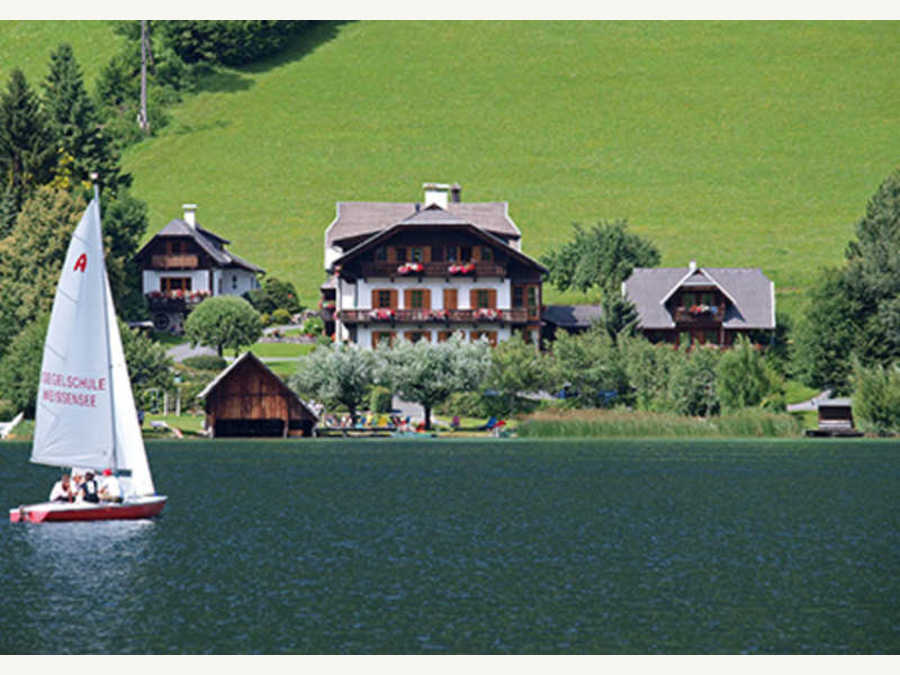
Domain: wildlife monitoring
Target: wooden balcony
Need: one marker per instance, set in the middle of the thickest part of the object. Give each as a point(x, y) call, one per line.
point(432, 269)
point(175, 301)
point(182, 261)
point(445, 316)
point(700, 314)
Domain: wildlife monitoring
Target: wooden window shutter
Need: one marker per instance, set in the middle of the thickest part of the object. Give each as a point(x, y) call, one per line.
point(492, 298)
point(407, 298)
point(473, 298)
point(451, 298)
point(374, 298)
point(426, 298)
point(393, 299)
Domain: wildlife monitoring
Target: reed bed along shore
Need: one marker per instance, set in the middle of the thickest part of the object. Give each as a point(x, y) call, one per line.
point(594, 423)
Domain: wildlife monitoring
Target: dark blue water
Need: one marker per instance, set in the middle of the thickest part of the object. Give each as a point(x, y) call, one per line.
point(488, 547)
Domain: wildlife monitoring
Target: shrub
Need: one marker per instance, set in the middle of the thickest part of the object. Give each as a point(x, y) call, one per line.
point(314, 326)
point(281, 316)
point(381, 400)
point(876, 400)
point(205, 362)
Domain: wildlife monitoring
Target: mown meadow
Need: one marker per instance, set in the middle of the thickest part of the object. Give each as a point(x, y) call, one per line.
point(735, 143)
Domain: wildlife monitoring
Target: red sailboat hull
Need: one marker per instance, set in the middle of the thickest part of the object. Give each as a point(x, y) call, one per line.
point(144, 507)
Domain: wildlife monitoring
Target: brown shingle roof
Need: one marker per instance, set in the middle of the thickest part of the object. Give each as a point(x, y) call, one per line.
point(356, 219)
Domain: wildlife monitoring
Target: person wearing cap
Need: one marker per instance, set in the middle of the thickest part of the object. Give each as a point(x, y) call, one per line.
point(110, 490)
point(89, 492)
point(62, 491)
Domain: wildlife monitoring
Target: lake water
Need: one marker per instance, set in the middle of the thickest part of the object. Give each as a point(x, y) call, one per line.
point(505, 546)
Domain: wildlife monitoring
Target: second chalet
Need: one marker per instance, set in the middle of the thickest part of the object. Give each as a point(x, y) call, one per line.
point(424, 271)
point(184, 264)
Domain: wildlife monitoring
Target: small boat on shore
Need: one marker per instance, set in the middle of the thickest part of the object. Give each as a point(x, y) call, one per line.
point(85, 413)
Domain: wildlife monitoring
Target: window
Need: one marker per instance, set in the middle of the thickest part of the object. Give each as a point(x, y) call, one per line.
point(234, 282)
point(490, 335)
point(452, 254)
point(487, 254)
point(167, 284)
point(465, 253)
point(482, 298)
point(437, 254)
point(533, 303)
point(518, 299)
point(416, 335)
point(416, 255)
point(380, 254)
point(400, 252)
point(382, 299)
point(380, 338)
point(416, 299)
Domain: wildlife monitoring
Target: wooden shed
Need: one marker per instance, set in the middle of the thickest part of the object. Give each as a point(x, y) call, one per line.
point(835, 418)
point(248, 399)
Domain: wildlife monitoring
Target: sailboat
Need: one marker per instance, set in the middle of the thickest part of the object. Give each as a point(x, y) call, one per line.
point(85, 413)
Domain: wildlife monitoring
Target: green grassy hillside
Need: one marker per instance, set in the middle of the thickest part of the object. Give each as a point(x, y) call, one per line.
point(27, 45)
point(746, 144)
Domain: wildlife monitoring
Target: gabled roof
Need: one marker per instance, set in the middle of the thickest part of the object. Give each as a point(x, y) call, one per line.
point(436, 216)
point(357, 219)
point(750, 293)
point(210, 242)
point(251, 357)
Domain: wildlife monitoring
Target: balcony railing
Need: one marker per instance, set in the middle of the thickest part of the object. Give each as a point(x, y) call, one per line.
point(434, 315)
point(700, 314)
point(180, 261)
point(432, 269)
point(175, 300)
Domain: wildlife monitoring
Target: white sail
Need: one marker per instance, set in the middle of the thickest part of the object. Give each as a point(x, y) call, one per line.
point(74, 406)
point(130, 452)
point(85, 409)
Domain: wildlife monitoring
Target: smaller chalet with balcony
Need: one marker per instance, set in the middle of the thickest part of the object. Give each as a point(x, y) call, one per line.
point(184, 264)
point(687, 306)
point(426, 271)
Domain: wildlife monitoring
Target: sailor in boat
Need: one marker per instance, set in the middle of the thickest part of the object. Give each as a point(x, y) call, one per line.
point(89, 490)
point(110, 490)
point(63, 490)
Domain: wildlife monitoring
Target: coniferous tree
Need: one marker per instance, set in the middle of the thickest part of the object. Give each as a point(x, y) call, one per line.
point(28, 151)
point(76, 124)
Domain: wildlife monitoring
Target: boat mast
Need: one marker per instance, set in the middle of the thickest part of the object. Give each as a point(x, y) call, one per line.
point(106, 319)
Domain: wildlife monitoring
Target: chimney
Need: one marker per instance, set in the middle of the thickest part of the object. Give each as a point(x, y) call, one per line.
point(436, 193)
point(693, 266)
point(190, 214)
point(456, 193)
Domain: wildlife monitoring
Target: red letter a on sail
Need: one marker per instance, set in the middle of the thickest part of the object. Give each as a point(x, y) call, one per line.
point(81, 263)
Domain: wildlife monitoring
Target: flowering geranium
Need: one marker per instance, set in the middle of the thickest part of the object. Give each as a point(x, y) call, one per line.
point(381, 314)
point(409, 268)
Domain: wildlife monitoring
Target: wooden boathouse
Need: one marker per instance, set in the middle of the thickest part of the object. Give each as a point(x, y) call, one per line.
point(248, 399)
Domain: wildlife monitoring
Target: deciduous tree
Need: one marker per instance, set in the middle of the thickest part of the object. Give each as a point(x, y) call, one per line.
point(427, 373)
point(602, 256)
point(223, 322)
point(336, 375)
point(31, 258)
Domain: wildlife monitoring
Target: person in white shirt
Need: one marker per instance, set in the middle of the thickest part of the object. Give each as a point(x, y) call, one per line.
point(110, 490)
point(63, 490)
